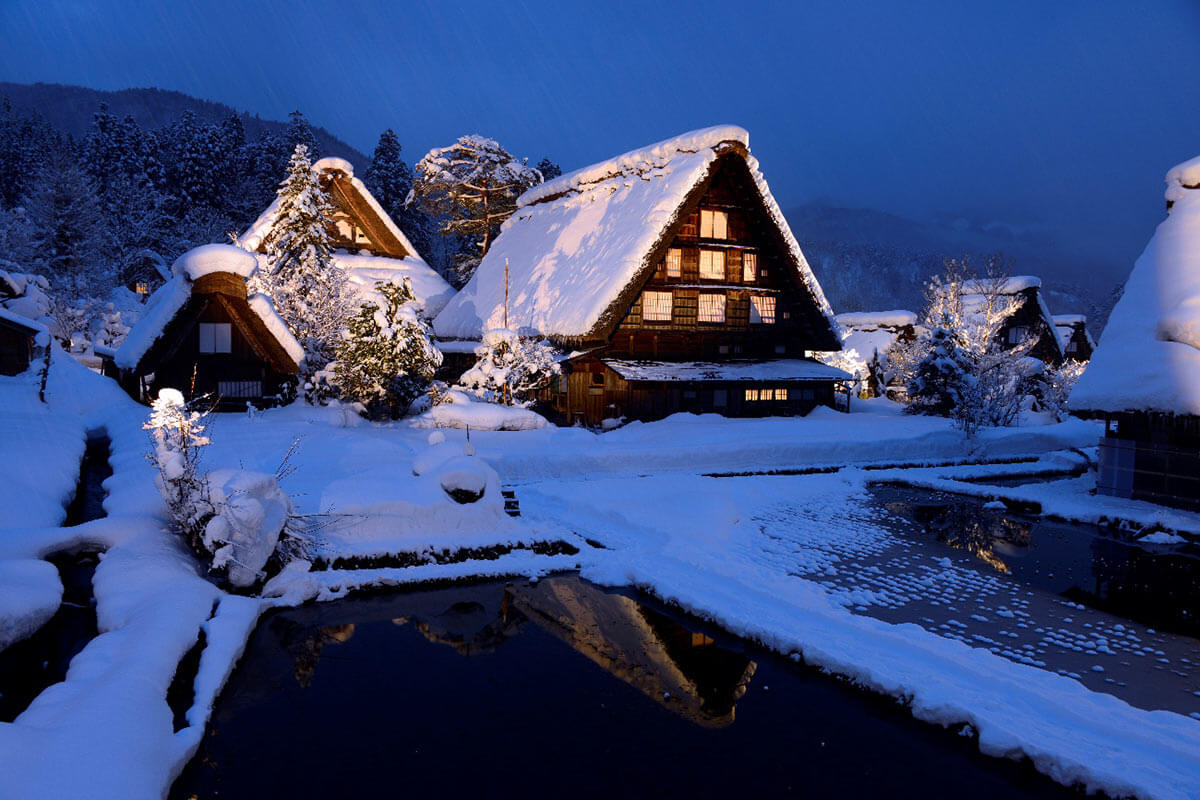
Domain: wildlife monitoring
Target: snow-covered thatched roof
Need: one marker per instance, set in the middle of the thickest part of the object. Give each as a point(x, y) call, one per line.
point(402, 261)
point(577, 243)
point(876, 319)
point(1149, 354)
point(973, 293)
point(1066, 324)
point(165, 304)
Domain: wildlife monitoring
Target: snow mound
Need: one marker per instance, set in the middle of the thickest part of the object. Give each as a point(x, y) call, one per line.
point(1182, 177)
point(1149, 355)
point(210, 258)
point(1010, 285)
point(251, 513)
point(460, 411)
point(30, 592)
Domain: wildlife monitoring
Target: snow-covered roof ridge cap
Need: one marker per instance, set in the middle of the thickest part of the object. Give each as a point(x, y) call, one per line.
point(209, 258)
point(1009, 285)
point(334, 164)
point(894, 318)
point(264, 307)
point(637, 162)
point(1182, 177)
point(22, 321)
point(1070, 319)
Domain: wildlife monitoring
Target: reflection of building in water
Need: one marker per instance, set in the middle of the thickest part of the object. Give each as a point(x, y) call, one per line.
point(471, 627)
point(965, 526)
point(306, 651)
point(684, 671)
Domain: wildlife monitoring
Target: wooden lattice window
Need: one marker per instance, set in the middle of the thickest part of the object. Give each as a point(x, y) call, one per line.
point(712, 307)
point(656, 306)
point(674, 262)
point(712, 264)
point(215, 337)
point(714, 224)
point(762, 309)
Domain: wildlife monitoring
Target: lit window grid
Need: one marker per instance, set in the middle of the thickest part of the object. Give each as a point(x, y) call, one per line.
point(712, 307)
point(656, 306)
point(712, 264)
point(762, 309)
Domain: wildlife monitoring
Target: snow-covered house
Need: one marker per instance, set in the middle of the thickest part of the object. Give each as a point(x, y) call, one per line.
point(21, 340)
point(202, 333)
point(672, 278)
point(1144, 377)
point(1032, 319)
point(1073, 336)
point(367, 242)
point(867, 339)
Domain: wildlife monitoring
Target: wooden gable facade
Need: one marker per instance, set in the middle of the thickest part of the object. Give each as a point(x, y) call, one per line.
point(18, 343)
point(357, 222)
point(719, 289)
point(1031, 320)
point(1077, 343)
point(215, 345)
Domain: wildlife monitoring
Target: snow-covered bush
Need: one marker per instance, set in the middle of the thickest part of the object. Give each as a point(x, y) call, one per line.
point(386, 359)
point(231, 519)
point(940, 377)
point(177, 436)
point(459, 410)
point(510, 369)
point(1057, 384)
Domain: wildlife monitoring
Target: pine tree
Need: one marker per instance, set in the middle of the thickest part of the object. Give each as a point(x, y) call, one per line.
point(300, 132)
point(386, 359)
point(390, 179)
point(310, 290)
point(549, 169)
point(70, 233)
point(941, 376)
point(472, 187)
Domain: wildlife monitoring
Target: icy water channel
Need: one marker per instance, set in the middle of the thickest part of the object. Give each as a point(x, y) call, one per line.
point(555, 688)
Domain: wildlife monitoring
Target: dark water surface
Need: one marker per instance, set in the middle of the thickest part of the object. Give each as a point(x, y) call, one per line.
point(1156, 585)
point(556, 689)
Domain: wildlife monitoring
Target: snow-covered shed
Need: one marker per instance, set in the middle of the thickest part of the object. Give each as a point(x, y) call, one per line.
point(1073, 336)
point(367, 242)
point(867, 339)
point(1032, 319)
point(1144, 377)
point(21, 339)
point(203, 334)
point(674, 254)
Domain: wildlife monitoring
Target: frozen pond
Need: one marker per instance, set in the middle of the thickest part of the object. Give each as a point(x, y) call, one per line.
point(556, 687)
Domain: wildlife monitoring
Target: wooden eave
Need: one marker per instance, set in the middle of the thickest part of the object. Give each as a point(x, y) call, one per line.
point(608, 321)
point(348, 199)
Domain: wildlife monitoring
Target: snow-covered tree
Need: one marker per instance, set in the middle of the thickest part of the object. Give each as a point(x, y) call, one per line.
point(70, 236)
point(941, 376)
point(177, 436)
point(472, 187)
point(549, 169)
point(1057, 384)
point(390, 179)
point(386, 359)
point(310, 290)
point(510, 368)
point(300, 132)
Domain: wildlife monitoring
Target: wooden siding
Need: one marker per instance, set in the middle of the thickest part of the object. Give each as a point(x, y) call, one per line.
point(16, 350)
point(1153, 457)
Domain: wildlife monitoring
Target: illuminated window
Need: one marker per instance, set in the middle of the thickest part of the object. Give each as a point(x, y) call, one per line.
point(762, 309)
point(749, 266)
point(712, 264)
point(656, 306)
point(752, 395)
point(714, 224)
point(712, 307)
point(1017, 334)
point(216, 337)
point(674, 262)
point(781, 394)
point(142, 287)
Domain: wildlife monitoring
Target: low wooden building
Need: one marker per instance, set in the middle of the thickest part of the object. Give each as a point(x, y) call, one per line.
point(21, 342)
point(367, 242)
point(1031, 319)
point(203, 334)
point(867, 340)
point(1143, 379)
point(670, 277)
point(1073, 336)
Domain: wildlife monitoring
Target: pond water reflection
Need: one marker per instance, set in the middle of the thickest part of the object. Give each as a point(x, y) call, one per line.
point(555, 687)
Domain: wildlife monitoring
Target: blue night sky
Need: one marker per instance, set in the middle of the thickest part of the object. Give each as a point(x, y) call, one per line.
point(1063, 116)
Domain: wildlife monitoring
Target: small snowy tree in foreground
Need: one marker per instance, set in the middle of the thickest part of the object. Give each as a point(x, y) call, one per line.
point(310, 291)
point(472, 186)
point(510, 368)
point(177, 434)
point(386, 359)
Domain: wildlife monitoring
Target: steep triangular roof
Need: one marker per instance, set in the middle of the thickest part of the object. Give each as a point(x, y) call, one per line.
point(1014, 285)
point(578, 245)
point(224, 269)
point(392, 255)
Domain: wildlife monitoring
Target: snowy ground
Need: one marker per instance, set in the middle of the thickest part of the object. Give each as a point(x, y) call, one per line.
point(805, 564)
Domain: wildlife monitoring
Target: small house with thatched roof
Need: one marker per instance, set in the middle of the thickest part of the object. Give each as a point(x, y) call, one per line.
point(867, 340)
point(367, 243)
point(21, 341)
point(1144, 378)
point(670, 276)
point(1031, 320)
point(203, 334)
point(1073, 336)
